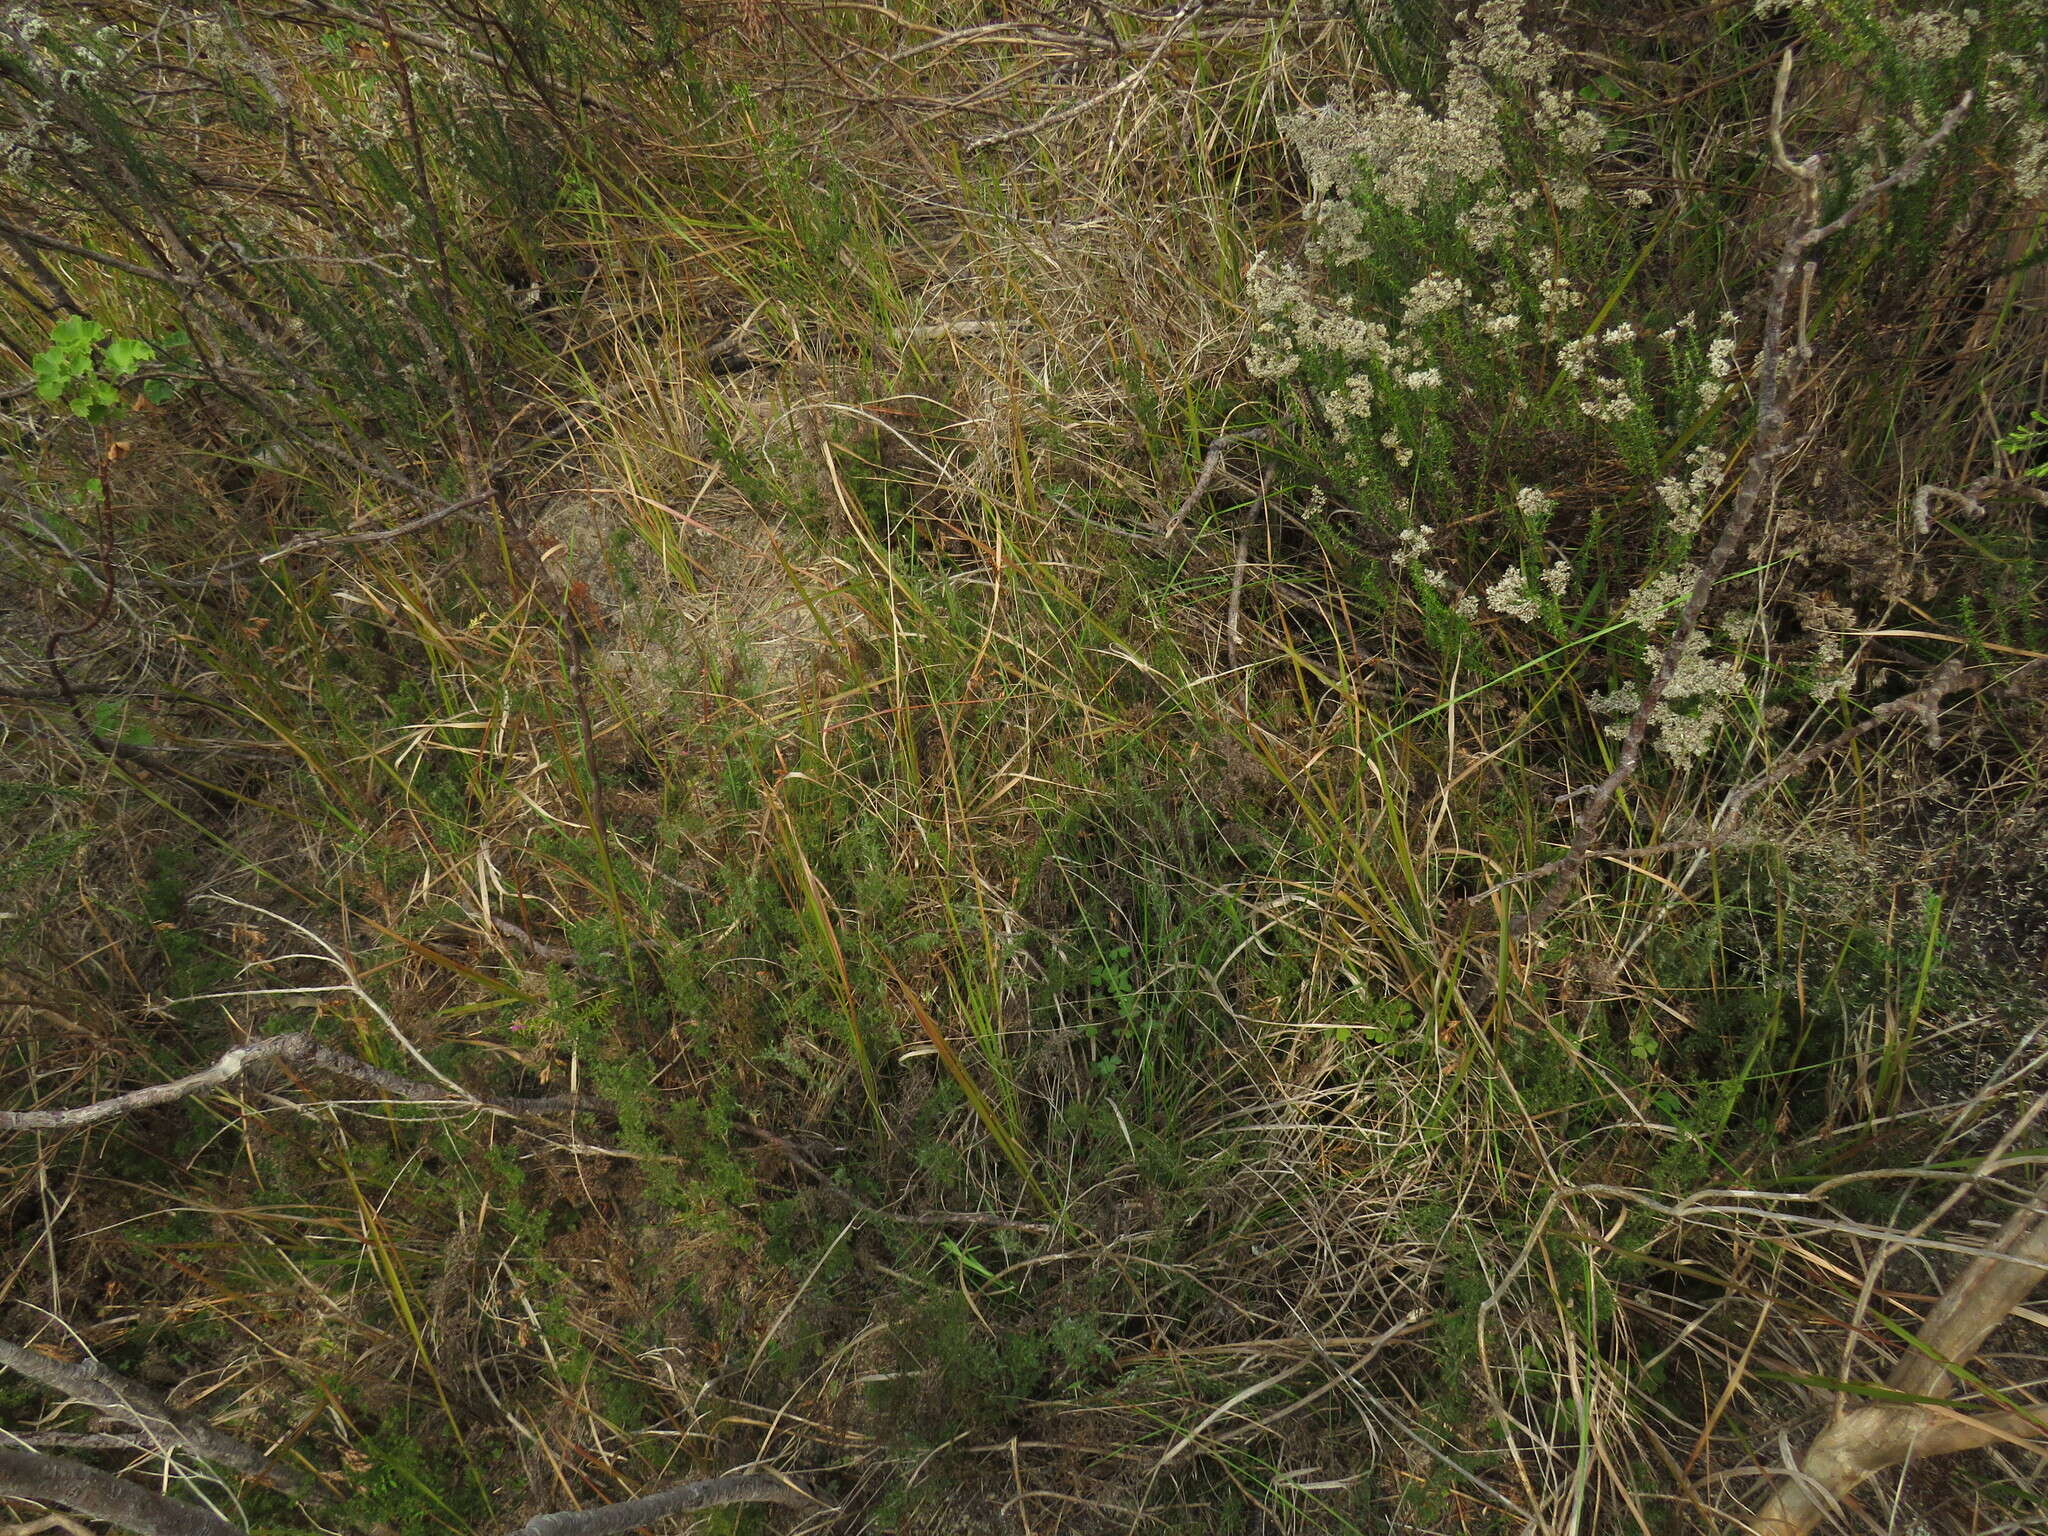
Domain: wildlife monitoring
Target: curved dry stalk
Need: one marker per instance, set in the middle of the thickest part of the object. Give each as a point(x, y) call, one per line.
point(299, 1049)
point(1871, 1439)
point(53, 1480)
point(708, 1493)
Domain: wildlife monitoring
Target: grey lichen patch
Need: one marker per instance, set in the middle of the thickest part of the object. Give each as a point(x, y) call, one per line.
point(691, 600)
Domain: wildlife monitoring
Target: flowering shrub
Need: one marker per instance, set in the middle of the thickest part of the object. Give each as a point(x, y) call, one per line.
point(1447, 315)
point(1458, 327)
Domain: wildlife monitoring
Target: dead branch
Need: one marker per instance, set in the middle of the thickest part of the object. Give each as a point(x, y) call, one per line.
point(94, 1384)
point(298, 1049)
point(709, 1493)
point(312, 541)
point(1211, 462)
point(48, 1523)
point(53, 1480)
point(1778, 368)
point(1971, 498)
point(1871, 1439)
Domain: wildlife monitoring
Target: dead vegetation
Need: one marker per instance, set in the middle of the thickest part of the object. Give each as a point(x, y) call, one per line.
point(725, 809)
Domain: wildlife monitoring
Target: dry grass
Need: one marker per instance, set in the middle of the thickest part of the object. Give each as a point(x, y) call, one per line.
point(1069, 1071)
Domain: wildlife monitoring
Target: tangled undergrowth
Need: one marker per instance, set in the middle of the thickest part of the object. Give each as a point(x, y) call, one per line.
point(1052, 770)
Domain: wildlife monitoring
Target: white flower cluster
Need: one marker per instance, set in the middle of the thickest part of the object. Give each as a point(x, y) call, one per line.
point(1654, 604)
point(1412, 549)
point(2030, 161)
point(1294, 320)
point(1511, 596)
point(1701, 683)
point(1932, 37)
point(1413, 154)
point(1706, 684)
point(1609, 398)
point(1687, 499)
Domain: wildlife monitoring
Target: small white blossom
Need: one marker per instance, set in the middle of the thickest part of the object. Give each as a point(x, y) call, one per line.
point(1656, 602)
point(1556, 295)
point(1687, 499)
point(1511, 596)
point(1415, 542)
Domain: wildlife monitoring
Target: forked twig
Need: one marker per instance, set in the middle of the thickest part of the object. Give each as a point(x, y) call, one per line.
point(297, 1048)
point(1971, 497)
point(1883, 1435)
point(1212, 461)
point(1777, 371)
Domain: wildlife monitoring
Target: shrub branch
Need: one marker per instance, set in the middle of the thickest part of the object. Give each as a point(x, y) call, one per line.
point(1778, 368)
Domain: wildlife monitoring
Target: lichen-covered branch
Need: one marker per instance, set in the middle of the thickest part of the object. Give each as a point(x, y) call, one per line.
point(53, 1480)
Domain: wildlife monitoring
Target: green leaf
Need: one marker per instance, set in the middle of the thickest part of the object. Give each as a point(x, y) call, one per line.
point(75, 331)
point(125, 354)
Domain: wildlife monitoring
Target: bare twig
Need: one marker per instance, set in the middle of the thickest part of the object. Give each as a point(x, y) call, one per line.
point(710, 1493)
point(1212, 461)
point(1777, 372)
point(1971, 497)
point(539, 948)
point(92, 1383)
point(54, 1480)
point(1870, 1439)
point(311, 541)
point(298, 1049)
